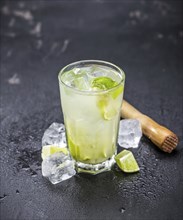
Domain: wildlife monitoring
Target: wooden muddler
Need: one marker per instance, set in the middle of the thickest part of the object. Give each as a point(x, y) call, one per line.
point(162, 137)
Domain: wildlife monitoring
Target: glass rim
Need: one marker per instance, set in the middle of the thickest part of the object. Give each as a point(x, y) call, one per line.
point(101, 62)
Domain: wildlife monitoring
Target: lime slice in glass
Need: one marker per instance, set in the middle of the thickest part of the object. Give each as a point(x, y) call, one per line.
point(103, 83)
point(105, 103)
point(106, 107)
point(126, 162)
point(52, 149)
point(117, 91)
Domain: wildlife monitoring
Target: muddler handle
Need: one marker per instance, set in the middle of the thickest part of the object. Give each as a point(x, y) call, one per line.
point(162, 137)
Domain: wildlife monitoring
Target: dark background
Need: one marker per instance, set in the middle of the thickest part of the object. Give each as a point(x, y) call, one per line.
point(38, 38)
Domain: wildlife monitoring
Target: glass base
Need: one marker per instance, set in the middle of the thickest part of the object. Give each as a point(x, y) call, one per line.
point(94, 169)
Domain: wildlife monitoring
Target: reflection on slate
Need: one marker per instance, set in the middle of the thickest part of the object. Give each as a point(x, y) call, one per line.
point(37, 39)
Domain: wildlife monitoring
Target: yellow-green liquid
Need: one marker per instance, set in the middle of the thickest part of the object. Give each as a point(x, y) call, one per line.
point(91, 122)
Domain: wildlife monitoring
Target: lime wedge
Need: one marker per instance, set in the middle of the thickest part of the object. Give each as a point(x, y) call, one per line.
point(106, 104)
point(117, 91)
point(103, 83)
point(108, 111)
point(52, 149)
point(106, 107)
point(126, 162)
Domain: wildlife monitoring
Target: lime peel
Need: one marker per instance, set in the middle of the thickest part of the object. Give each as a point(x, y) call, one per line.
point(117, 92)
point(103, 83)
point(126, 162)
point(108, 110)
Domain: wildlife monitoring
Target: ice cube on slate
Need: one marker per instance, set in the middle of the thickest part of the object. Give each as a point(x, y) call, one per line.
point(54, 135)
point(58, 167)
point(130, 133)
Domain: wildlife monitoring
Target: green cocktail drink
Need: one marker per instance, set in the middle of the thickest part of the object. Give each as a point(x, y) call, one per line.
point(91, 97)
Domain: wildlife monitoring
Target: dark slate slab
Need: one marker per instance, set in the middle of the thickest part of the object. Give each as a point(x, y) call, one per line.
point(37, 39)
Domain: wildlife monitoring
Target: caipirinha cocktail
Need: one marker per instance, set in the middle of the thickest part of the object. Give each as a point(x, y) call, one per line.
point(91, 98)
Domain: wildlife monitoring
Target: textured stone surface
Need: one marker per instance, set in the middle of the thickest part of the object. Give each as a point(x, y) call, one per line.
point(37, 40)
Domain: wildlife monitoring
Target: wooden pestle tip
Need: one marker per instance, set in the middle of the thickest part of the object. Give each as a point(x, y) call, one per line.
point(170, 143)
